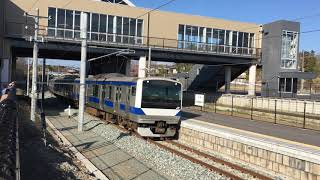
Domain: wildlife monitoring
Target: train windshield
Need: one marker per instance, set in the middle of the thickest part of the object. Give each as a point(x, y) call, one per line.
point(161, 94)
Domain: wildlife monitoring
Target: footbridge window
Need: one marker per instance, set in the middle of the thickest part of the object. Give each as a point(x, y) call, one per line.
point(65, 24)
point(215, 40)
point(289, 50)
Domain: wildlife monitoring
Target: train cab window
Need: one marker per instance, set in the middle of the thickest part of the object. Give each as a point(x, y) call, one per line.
point(161, 94)
point(133, 91)
point(95, 90)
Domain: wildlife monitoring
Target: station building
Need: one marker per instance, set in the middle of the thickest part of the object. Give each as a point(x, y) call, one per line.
point(222, 49)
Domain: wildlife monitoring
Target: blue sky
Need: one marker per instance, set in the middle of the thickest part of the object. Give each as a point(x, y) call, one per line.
point(254, 11)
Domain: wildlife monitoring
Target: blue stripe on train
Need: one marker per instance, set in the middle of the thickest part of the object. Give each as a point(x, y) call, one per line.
point(94, 99)
point(179, 113)
point(108, 103)
point(133, 110)
point(122, 107)
point(136, 111)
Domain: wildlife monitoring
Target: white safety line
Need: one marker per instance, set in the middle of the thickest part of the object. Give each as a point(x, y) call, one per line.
point(86, 162)
point(308, 153)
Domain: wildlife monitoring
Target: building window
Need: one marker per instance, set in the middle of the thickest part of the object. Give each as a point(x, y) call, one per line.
point(66, 24)
point(126, 30)
point(52, 12)
point(61, 22)
point(77, 24)
point(133, 30)
point(289, 50)
point(209, 40)
point(95, 27)
point(215, 40)
point(288, 85)
point(102, 27)
point(282, 82)
point(181, 36)
point(119, 29)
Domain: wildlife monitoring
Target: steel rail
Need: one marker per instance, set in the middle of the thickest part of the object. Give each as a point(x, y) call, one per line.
point(197, 161)
point(215, 159)
point(192, 159)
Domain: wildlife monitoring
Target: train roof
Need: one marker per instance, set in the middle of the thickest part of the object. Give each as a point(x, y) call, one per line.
point(114, 77)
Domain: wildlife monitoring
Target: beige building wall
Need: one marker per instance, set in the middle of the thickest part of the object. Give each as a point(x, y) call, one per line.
point(163, 24)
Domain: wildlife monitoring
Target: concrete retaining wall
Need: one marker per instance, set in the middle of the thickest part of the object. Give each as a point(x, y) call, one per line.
point(283, 105)
point(279, 158)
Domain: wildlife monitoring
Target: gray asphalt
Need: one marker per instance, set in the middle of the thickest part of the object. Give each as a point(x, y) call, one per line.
point(300, 135)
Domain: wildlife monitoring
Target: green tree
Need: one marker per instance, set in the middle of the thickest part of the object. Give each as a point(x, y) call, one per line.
point(310, 62)
point(183, 67)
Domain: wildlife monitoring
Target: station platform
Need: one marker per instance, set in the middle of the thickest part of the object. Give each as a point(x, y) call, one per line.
point(285, 152)
point(304, 136)
point(100, 156)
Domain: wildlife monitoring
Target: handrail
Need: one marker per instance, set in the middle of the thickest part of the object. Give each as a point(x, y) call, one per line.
point(54, 33)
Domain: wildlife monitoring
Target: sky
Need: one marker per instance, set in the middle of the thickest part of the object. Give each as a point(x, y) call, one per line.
point(252, 11)
point(307, 12)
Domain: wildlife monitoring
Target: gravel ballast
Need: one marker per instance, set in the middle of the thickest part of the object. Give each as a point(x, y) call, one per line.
point(165, 163)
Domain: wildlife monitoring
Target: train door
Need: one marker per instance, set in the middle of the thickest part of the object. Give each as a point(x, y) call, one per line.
point(128, 94)
point(102, 96)
point(88, 93)
point(118, 99)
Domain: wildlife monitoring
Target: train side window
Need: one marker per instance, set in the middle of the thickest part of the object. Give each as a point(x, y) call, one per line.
point(103, 95)
point(95, 90)
point(133, 91)
point(118, 93)
point(128, 94)
point(110, 91)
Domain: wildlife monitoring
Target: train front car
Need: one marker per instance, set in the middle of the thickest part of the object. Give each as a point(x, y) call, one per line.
point(158, 107)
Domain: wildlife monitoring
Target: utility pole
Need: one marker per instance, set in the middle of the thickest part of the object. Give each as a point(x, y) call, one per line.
point(42, 79)
point(148, 43)
point(149, 63)
point(83, 28)
point(28, 76)
point(34, 69)
point(302, 69)
point(34, 64)
point(48, 78)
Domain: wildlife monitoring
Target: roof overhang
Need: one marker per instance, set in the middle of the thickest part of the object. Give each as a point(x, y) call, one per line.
point(127, 2)
point(299, 75)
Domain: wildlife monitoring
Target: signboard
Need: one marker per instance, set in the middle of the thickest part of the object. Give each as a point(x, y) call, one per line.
point(199, 100)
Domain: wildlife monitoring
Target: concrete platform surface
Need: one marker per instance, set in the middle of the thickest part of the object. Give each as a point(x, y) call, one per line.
point(299, 135)
point(104, 155)
point(290, 148)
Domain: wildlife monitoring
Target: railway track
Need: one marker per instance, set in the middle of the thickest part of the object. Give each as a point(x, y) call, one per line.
point(225, 168)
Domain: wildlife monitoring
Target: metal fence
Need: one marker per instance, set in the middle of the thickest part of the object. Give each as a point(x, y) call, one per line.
point(292, 112)
point(19, 30)
point(308, 91)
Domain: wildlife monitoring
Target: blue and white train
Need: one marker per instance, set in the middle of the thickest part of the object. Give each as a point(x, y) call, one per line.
point(150, 106)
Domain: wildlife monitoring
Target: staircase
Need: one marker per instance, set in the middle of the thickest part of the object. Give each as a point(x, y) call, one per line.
point(206, 78)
